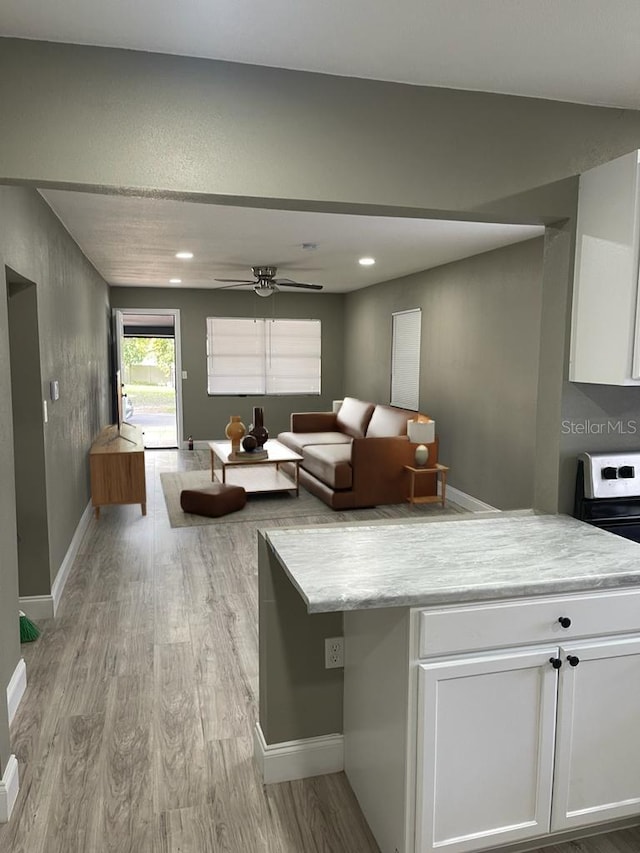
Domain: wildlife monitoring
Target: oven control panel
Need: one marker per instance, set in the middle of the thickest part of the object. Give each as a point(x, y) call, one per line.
point(611, 475)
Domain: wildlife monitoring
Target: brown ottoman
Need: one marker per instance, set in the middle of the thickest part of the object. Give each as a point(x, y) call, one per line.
point(215, 500)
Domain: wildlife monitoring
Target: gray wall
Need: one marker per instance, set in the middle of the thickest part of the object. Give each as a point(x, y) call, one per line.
point(72, 304)
point(206, 417)
point(479, 363)
point(141, 120)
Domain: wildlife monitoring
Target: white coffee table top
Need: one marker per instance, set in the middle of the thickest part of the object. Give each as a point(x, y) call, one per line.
point(277, 453)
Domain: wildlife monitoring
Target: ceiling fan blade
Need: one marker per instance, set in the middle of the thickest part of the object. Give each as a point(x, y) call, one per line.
point(238, 280)
point(287, 282)
point(231, 286)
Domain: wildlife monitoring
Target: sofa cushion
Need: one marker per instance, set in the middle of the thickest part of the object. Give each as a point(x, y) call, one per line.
point(387, 421)
point(330, 463)
point(296, 441)
point(353, 416)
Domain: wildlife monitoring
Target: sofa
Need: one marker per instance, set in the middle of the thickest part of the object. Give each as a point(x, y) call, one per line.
point(355, 457)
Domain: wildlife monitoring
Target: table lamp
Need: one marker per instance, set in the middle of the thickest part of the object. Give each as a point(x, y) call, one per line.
point(421, 432)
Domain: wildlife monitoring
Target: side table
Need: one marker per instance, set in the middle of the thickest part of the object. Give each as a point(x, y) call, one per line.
point(441, 474)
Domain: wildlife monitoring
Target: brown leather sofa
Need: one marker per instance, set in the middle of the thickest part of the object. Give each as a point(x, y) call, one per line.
point(355, 457)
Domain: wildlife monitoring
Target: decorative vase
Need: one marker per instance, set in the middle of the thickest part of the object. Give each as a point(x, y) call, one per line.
point(249, 443)
point(235, 432)
point(422, 455)
point(257, 428)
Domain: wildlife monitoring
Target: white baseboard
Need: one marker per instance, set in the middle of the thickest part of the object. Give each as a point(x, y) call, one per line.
point(37, 606)
point(9, 787)
point(297, 759)
point(69, 558)
point(16, 687)
point(46, 606)
point(467, 501)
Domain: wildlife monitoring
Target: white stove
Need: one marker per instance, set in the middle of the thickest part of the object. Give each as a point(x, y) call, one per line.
point(608, 492)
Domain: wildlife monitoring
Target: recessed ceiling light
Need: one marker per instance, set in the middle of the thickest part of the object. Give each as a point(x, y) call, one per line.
point(175, 281)
point(184, 256)
point(367, 262)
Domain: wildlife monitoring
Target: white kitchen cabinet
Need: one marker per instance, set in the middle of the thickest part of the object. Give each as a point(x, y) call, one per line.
point(467, 749)
point(485, 750)
point(597, 766)
point(605, 335)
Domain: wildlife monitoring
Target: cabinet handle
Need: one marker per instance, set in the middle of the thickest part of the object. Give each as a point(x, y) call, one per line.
point(565, 621)
point(556, 663)
point(573, 660)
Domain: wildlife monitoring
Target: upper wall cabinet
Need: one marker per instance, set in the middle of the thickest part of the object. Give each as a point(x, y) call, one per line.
point(605, 330)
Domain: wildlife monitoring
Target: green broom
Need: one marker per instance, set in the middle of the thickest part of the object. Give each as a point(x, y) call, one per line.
point(29, 631)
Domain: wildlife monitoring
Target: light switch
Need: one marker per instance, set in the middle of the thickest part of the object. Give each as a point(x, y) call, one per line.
point(54, 389)
point(184, 374)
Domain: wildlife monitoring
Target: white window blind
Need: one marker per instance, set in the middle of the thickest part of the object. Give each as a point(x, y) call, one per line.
point(262, 356)
point(405, 359)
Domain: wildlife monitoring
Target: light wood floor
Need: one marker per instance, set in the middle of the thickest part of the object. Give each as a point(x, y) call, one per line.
point(135, 733)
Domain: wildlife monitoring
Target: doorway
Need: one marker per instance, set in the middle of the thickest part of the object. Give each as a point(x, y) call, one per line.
point(148, 356)
point(29, 416)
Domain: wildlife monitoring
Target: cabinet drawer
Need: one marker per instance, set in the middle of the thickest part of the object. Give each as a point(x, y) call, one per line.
point(485, 626)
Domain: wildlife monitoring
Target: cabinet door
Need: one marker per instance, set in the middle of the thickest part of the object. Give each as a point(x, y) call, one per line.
point(597, 771)
point(485, 750)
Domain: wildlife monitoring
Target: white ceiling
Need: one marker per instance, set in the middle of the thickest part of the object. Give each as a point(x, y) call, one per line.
point(585, 51)
point(133, 241)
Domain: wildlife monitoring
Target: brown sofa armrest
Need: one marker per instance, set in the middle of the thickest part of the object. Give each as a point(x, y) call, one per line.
point(313, 422)
point(378, 469)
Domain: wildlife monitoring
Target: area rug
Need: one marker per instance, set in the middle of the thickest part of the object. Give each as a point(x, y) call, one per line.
point(283, 505)
point(260, 507)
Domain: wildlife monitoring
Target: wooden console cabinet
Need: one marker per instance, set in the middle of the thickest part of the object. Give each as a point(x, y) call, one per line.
point(117, 468)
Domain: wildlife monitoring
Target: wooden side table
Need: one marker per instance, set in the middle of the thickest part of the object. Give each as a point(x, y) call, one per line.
point(441, 473)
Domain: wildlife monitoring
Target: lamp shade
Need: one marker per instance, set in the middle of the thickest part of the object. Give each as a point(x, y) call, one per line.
point(421, 432)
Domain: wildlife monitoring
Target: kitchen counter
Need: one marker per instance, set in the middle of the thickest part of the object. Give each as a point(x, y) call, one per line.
point(343, 568)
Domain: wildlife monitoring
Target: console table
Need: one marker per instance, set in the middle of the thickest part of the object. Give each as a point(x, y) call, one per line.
point(117, 468)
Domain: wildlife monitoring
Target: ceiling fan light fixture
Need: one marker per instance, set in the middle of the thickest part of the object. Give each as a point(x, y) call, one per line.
point(264, 290)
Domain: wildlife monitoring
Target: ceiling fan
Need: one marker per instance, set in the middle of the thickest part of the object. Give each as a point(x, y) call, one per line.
point(265, 283)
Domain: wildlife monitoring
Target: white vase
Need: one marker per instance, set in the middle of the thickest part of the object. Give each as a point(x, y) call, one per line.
point(422, 455)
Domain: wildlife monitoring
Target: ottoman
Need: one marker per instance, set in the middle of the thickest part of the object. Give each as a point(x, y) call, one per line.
point(214, 500)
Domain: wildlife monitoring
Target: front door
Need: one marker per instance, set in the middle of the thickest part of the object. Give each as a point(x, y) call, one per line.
point(149, 361)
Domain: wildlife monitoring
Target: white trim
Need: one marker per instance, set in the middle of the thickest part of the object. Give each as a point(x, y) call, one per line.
point(46, 606)
point(69, 558)
point(37, 606)
point(9, 787)
point(297, 759)
point(467, 501)
point(16, 687)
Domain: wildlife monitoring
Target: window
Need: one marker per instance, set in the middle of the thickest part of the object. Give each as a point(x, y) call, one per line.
point(405, 359)
point(256, 356)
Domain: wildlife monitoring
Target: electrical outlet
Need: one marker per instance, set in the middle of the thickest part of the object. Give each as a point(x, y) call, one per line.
point(333, 652)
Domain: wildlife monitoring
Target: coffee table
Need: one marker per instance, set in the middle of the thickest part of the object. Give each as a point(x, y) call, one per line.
point(255, 475)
